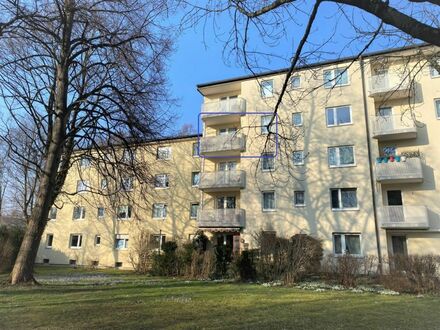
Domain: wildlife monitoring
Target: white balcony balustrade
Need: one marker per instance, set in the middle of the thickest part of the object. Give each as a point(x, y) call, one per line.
point(222, 144)
point(221, 218)
point(408, 171)
point(393, 127)
point(222, 181)
point(403, 217)
point(389, 86)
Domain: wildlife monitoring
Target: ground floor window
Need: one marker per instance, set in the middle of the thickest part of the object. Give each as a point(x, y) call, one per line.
point(121, 242)
point(157, 241)
point(347, 243)
point(75, 241)
point(49, 241)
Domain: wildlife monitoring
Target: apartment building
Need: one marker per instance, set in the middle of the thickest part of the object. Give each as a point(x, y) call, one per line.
point(350, 157)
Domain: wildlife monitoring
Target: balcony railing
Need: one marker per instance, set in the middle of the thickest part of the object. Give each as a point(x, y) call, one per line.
point(406, 171)
point(223, 218)
point(393, 127)
point(403, 217)
point(223, 107)
point(389, 85)
point(222, 143)
point(222, 180)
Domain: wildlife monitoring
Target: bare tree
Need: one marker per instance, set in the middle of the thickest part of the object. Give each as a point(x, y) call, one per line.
point(80, 78)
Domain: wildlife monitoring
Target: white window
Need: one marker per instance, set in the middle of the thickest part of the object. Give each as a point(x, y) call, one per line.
point(194, 210)
point(335, 77)
point(227, 131)
point(338, 116)
point(49, 241)
point(265, 121)
point(347, 243)
point(298, 157)
point(79, 213)
point(433, 71)
point(159, 210)
point(124, 212)
point(195, 178)
point(53, 213)
point(344, 198)
point(297, 119)
point(437, 108)
point(97, 240)
point(101, 212)
point(266, 88)
point(268, 161)
point(127, 184)
point(85, 161)
point(128, 156)
point(121, 242)
point(269, 201)
point(164, 153)
point(195, 149)
point(157, 241)
point(75, 241)
point(82, 186)
point(295, 82)
point(227, 166)
point(104, 183)
point(385, 112)
point(341, 156)
point(161, 181)
point(299, 198)
point(226, 202)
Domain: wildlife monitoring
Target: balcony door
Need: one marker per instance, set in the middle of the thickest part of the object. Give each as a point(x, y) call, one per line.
point(227, 103)
point(227, 166)
point(380, 79)
point(226, 202)
point(227, 131)
point(394, 198)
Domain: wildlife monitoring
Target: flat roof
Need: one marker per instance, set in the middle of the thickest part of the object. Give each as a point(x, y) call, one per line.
point(333, 61)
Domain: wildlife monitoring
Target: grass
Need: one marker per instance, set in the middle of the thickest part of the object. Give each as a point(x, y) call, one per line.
point(117, 299)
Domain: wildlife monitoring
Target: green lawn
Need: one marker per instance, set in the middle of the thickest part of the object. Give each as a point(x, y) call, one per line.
point(114, 299)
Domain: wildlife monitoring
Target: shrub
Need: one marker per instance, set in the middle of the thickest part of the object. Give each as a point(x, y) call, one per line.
point(10, 241)
point(203, 264)
point(166, 263)
point(243, 267)
point(413, 274)
point(141, 252)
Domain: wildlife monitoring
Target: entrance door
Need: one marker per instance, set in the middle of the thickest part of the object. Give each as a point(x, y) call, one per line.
point(399, 245)
point(394, 197)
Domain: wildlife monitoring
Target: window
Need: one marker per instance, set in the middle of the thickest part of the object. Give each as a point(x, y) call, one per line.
point(157, 241)
point(335, 77)
point(194, 210)
point(49, 241)
point(124, 212)
point(85, 161)
point(127, 184)
point(295, 82)
point(269, 201)
point(195, 178)
point(226, 202)
point(344, 198)
point(195, 149)
point(82, 186)
point(265, 120)
point(227, 131)
point(299, 198)
point(159, 211)
point(437, 108)
point(79, 213)
point(433, 71)
point(161, 181)
point(341, 156)
point(297, 119)
point(121, 242)
point(104, 183)
point(163, 153)
point(266, 88)
point(101, 212)
point(347, 243)
point(128, 156)
point(97, 240)
point(227, 166)
point(268, 161)
point(75, 241)
point(298, 157)
point(338, 116)
point(53, 213)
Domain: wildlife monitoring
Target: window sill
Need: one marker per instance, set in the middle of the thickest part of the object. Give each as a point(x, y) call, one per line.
point(347, 209)
point(159, 218)
point(49, 247)
point(123, 219)
point(342, 166)
point(79, 219)
point(268, 171)
point(269, 210)
point(339, 125)
point(299, 205)
point(339, 255)
point(161, 188)
point(75, 248)
point(336, 86)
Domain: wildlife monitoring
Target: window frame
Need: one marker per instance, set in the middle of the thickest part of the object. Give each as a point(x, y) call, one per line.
point(195, 149)
point(158, 152)
point(344, 245)
point(163, 208)
point(432, 70)
point(97, 237)
point(335, 117)
point(341, 207)
point(264, 130)
point(85, 184)
point(51, 235)
point(292, 87)
point(301, 152)
point(85, 161)
point(82, 213)
point(301, 116)
point(263, 94)
point(437, 108)
point(338, 156)
point(274, 201)
point(121, 237)
point(124, 186)
point(128, 212)
point(295, 192)
point(191, 216)
point(193, 175)
point(80, 241)
point(166, 182)
point(103, 212)
point(53, 210)
point(271, 159)
point(333, 80)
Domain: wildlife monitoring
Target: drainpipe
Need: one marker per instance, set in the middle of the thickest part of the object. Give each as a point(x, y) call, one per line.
point(370, 165)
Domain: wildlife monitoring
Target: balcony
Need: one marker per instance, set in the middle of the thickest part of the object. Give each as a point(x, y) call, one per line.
point(389, 86)
point(222, 181)
point(221, 218)
point(223, 111)
point(403, 217)
point(408, 171)
point(385, 128)
point(221, 145)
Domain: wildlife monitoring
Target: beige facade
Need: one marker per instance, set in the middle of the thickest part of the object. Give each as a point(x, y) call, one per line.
point(323, 173)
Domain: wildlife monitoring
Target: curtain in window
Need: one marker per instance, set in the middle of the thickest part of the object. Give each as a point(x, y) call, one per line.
point(337, 244)
point(332, 160)
point(268, 201)
point(349, 199)
point(346, 155)
point(353, 244)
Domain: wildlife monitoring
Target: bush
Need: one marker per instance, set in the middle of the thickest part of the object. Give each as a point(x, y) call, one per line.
point(242, 267)
point(203, 264)
point(166, 263)
point(10, 241)
point(413, 274)
point(141, 252)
